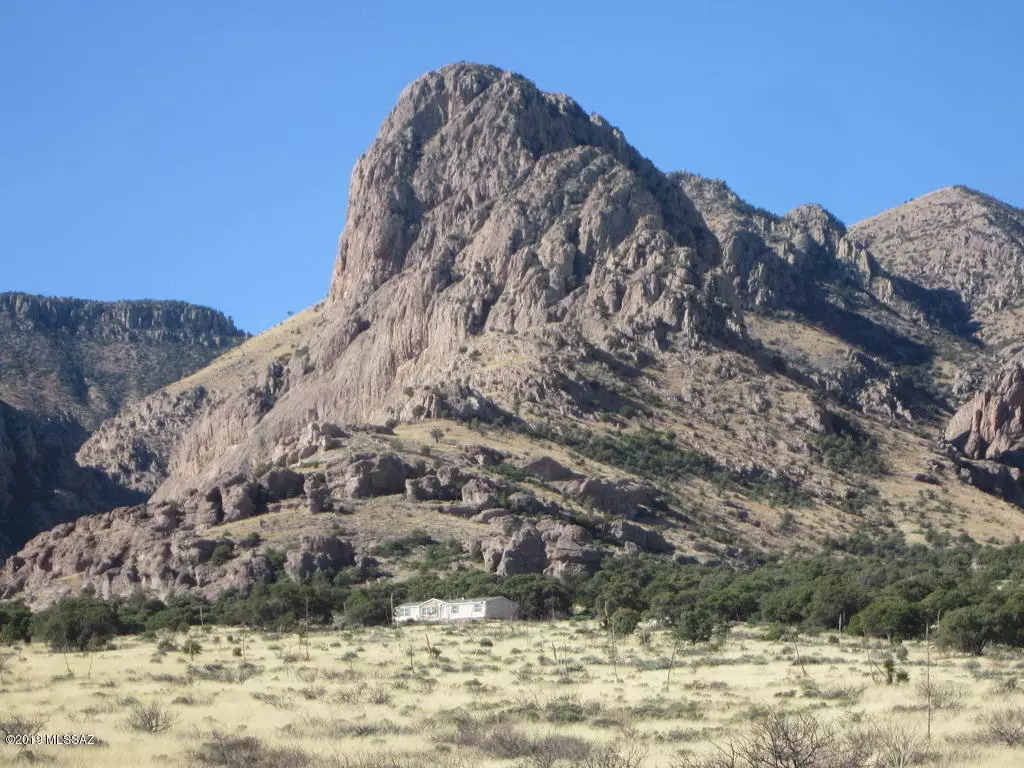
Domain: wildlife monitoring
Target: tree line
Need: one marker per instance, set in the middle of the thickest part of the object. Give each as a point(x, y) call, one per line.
point(973, 595)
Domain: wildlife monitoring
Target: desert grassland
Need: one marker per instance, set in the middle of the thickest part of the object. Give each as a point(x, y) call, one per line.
point(495, 694)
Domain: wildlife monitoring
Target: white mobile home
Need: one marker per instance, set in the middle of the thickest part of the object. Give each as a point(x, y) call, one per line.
point(457, 610)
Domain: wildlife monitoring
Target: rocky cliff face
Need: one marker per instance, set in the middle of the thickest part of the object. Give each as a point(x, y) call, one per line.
point(488, 208)
point(988, 433)
point(133, 449)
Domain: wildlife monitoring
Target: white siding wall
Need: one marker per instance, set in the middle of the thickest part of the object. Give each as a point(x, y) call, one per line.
point(441, 610)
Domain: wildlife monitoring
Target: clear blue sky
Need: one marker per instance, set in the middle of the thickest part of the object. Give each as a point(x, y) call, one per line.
point(202, 150)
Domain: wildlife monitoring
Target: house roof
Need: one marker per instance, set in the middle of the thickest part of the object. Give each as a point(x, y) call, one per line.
point(460, 601)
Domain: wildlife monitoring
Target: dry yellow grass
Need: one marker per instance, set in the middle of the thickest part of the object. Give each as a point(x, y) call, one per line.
point(366, 691)
point(231, 370)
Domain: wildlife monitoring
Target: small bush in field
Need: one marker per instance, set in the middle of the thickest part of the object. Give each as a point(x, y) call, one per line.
point(1006, 727)
point(151, 718)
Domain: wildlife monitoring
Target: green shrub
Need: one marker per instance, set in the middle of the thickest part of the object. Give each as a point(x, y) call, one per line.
point(967, 630)
point(889, 616)
point(696, 625)
point(77, 623)
point(222, 553)
point(624, 621)
point(15, 623)
point(850, 450)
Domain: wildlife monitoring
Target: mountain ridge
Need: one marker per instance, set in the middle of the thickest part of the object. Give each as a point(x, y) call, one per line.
point(518, 287)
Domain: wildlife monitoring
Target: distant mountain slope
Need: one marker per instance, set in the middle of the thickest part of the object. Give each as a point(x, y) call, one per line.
point(65, 366)
point(85, 359)
point(957, 240)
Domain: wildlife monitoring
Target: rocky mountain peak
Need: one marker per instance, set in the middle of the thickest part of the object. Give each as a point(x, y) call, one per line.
point(457, 141)
point(955, 240)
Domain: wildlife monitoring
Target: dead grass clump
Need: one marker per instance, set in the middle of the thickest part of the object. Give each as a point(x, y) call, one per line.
point(378, 694)
point(660, 709)
point(312, 692)
point(838, 692)
point(179, 680)
point(1006, 726)
point(943, 695)
point(342, 729)
point(151, 718)
point(569, 709)
point(511, 744)
point(632, 754)
point(274, 700)
point(1007, 686)
point(789, 740)
point(892, 745)
point(15, 725)
point(190, 700)
point(228, 751)
point(222, 673)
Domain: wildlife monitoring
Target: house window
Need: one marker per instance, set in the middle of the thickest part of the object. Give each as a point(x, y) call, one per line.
point(405, 611)
point(455, 609)
point(429, 610)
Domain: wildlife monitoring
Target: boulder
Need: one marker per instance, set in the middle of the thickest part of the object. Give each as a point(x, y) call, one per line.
point(618, 497)
point(166, 517)
point(479, 493)
point(242, 500)
point(569, 549)
point(525, 552)
point(483, 456)
point(328, 554)
point(210, 510)
point(318, 492)
point(283, 484)
point(368, 475)
point(488, 515)
point(644, 539)
point(549, 470)
point(317, 437)
point(426, 488)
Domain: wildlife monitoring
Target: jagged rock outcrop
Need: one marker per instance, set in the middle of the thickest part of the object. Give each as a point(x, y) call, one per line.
point(551, 546)
point(549, 470)
point(863, 383)
point(134, 447)
point(525, 552)
point(318, 492)
point(122, 552)
point(991, 425)
point(366, 475)
point(986, 436)
point(643, 539)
